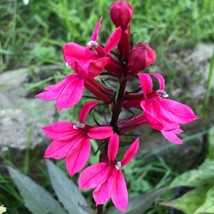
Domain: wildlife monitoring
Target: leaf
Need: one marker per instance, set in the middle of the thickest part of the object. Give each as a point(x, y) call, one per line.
point(208, 206)
point(66, 191)
point(141, 203)
point(210, 154)
point(202, 176)
point(189, 202)
point(36, 198)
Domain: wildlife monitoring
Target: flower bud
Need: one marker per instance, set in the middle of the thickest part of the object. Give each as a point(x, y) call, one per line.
point(140, 57)
point(121, 13)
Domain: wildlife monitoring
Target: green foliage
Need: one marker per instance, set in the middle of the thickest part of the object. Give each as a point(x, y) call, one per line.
point(140, 203)
point(36, 199)
point(67, 192)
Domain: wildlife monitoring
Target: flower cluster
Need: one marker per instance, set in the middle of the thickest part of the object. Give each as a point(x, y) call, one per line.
point(119, 62)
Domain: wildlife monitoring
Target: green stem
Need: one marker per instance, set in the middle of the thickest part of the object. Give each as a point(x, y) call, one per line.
point(100, 209)
point(118, 104)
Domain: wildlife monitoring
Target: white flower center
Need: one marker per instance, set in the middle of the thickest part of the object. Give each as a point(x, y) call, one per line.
point(163, 93)
point(92, 43)
point(79, 126)
point(118, 165)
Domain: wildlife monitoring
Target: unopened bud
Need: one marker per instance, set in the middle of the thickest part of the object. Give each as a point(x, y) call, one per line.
point(140, 57)
point(121, 13)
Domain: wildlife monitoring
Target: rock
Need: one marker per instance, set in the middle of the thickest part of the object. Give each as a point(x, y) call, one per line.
point(21, 119)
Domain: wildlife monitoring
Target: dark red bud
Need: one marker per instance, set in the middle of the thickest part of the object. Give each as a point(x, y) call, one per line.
point(121, 13)
point(140, 57)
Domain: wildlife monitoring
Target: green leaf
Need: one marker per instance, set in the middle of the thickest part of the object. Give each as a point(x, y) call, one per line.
point(202, 176)
point(208, 206)
point(210, 154)
point(66, 191)
point(189, 202)
point(36, 198)
point(141, 203)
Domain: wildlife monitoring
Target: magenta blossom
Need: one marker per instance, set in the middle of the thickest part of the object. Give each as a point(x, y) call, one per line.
point(107, 177)
point(69, 91)
point(72, 140)
point(168, 112)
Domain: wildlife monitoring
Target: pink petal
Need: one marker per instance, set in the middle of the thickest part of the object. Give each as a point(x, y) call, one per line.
point(71, 93)
point(53, 91)
point(146, 83)
point(93, 175)
point(102, 192)
point(85, 110)
point(178, 112)
point(74, 52)
point(113, 146)
point(113, 40)
point(80, 71)
point(59, 129)
point(157, 116)
point(78, 156)
point(171, 136)
point(130, 153)
point(61, 146)
point(100, 132)
point(96, 67)
point(119, 194)
point(96, 30)
point(160, 79)
point(58, 149)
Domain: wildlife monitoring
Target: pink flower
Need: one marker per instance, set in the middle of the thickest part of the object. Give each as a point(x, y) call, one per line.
point(69, 91)
point(140, 57)
point(72, 140)
point(107, 177)
point(168, 112)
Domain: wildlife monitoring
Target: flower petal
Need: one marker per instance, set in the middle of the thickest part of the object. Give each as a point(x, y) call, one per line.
point(113, 40)
point(102, 193)
point(96, 30)
point(59, 129)
point(71, 93)
point(146, 83)
point(119, 194)
point(178, 112)
point(160, 79)
point(78, 156)
point(74, 52)
point(113, 146)
point(131, 152)
point(52, 92)
point(85, 110)
point(93, 175)
point(100, 132)
point(171, 136)
point(95, 67)
point(60, 147)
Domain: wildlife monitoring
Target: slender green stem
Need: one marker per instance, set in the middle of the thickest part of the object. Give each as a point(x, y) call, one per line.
point(100, 209)
point(118, 104)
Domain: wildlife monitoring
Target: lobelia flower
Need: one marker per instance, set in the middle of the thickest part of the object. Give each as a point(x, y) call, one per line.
point(140, 57)
point(160, 113)
point(87, 65)
point(69, 91)
point(114, 67)
point(72, 140)
point(107, 177)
